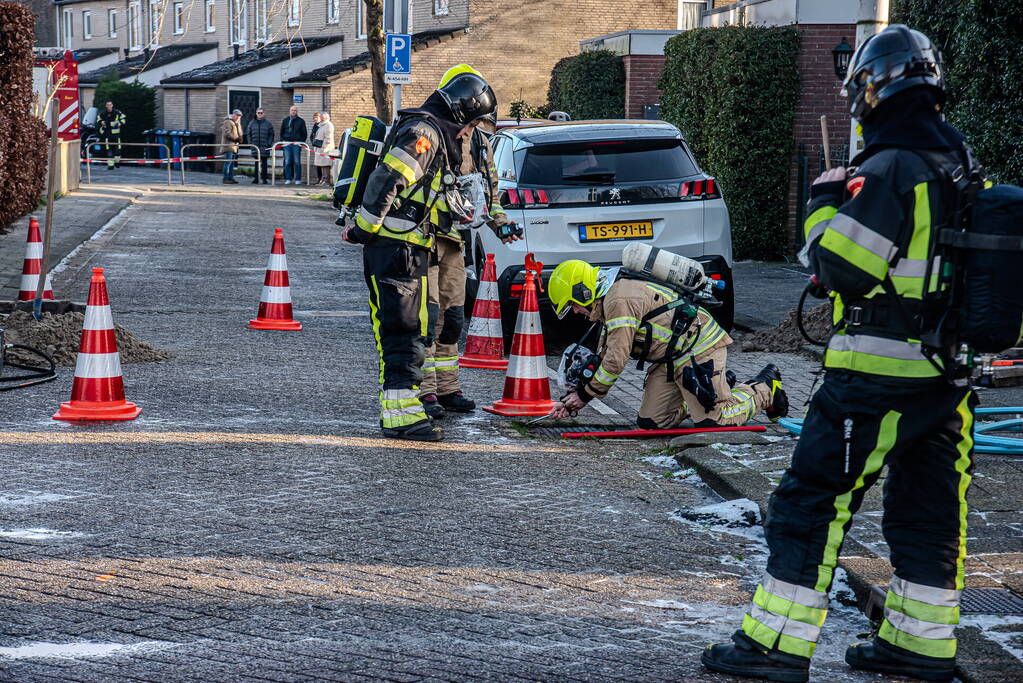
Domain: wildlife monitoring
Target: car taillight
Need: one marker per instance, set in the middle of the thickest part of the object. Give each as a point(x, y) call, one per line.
point(516, 290)
point(706, 188)
point(526, 198)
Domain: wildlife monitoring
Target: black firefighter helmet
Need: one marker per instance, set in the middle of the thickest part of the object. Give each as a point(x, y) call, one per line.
point(889, 62)
point(469, 98)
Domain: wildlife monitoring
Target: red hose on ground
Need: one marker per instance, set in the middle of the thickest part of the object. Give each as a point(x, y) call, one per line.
point(633, 433)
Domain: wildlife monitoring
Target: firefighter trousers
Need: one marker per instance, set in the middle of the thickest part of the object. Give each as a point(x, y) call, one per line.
point(112, 149)
point(395, 273)
point(855, 427)
point(446, 303)
point(666, 404)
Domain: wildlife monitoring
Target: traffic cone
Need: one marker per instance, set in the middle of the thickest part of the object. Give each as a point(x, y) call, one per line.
point(33, 266)
point(275, 301)
point(527, 390)
point(484, 344)
point(98, 389)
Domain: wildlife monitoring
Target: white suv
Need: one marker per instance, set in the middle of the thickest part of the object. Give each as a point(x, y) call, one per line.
point(582, 189)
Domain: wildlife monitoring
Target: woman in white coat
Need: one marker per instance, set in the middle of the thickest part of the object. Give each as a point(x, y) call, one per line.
point(323, 143)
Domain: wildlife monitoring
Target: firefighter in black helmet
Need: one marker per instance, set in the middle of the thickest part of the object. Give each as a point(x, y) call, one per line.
point(410, 183)
point(886, 399)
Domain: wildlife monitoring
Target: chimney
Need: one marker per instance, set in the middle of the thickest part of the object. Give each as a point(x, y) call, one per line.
point(235, 46)
point(146, 52)
point(126, 51)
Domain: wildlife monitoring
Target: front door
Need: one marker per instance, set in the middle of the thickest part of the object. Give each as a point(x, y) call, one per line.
point(245, 100)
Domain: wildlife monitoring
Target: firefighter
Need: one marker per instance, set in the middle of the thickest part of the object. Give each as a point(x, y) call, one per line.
point(111, 121)
point(869, 235)
point(394, 225)
point(687, 375)
point(441, 391)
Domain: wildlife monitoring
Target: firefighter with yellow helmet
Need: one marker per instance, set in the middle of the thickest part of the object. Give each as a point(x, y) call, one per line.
point(687, 375)
point(441, 390)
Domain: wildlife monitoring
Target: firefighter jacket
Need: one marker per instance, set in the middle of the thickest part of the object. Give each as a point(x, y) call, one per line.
point(869, 240)
point(622, 310)
point(405, 186)
point(110, 122)
point(477, 155)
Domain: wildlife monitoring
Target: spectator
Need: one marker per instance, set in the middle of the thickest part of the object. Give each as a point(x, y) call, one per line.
point(261, 134)
point(230, 137)
point(293, 130)
point(323, 143)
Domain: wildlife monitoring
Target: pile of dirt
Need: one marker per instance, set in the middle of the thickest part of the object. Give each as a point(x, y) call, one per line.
point(785, 338)
point(60, 336)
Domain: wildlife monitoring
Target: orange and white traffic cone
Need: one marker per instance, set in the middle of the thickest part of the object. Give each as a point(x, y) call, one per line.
point(33, 266)
point(484, 343)
point(98, 389)
point(275, 300)
point(527, 390)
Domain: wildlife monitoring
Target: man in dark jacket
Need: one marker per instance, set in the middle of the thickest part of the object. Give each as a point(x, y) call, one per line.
point(886, 400)
point(293, 130)
point(260, 133)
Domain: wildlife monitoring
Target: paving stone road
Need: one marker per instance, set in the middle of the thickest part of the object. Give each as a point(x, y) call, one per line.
point(252, 525)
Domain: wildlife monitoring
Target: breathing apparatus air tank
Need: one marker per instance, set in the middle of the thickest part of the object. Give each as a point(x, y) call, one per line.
point(362, 150)
point(665, 266)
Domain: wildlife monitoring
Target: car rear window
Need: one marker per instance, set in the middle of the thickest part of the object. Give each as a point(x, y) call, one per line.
point(606, 162)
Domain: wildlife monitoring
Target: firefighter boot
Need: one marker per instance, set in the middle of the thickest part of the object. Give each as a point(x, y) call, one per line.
point(879, 656)
point(743, 657)
point(457, 403)
point(424, 430)
point(771, 376)
point(432, 406)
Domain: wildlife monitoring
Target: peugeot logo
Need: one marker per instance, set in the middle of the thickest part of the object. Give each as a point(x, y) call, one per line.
point(614, 193)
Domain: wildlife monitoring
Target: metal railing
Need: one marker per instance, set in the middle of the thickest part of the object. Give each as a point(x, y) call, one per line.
point(90, 159)
point(282, 145)
point(185, 160)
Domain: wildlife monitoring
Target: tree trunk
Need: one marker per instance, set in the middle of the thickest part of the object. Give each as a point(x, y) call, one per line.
point(375, 44)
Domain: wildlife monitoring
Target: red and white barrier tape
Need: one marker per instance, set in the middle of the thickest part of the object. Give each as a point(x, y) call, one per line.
point(173, 160)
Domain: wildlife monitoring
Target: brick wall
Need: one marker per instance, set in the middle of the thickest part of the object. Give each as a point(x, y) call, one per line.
point(514, 47)
point(818, 94)
point(642, 72)
point(202, 115)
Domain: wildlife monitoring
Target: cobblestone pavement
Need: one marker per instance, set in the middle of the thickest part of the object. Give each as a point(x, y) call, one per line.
point(252, 525)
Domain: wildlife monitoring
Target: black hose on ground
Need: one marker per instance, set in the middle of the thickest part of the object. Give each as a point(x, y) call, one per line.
point(37, 374)
point(799, 319)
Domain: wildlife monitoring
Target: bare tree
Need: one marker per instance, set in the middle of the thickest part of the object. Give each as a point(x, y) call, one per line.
point(375, 45)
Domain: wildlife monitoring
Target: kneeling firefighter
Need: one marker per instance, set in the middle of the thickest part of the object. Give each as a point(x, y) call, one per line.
point(417, 171)
point(884, 237)
point(657, 323)
point(441, 390)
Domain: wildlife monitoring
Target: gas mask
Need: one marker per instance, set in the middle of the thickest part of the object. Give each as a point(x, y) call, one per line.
point(466, 198)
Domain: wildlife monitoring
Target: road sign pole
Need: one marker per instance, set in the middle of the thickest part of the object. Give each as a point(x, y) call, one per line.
point(396, 20)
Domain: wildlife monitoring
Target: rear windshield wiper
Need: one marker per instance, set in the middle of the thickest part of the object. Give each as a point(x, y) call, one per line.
point(605, 176)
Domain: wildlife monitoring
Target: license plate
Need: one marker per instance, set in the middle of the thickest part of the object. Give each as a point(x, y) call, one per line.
point(614, 232)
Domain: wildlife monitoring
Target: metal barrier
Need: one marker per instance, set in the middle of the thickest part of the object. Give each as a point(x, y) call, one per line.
point(273, 160)
point(89, 159)
point(183, 159)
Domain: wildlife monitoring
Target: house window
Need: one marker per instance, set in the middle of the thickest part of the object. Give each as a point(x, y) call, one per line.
point(87, 24)
point(689, 14)
point(135, 26)
point(360, 19)
point(155, 19)
point(294, 12)
point(333, 11)
point(239, 21)
point(211, 16)
point(179, 18)
point(262, 21)
point(441, 8)
point(112, 23)
point(68, 24)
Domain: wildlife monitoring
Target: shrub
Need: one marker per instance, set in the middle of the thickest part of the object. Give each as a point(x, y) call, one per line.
point(136, 101)
point(23, 140)
point(732, 91)
point(590, 85)
point(980, 44)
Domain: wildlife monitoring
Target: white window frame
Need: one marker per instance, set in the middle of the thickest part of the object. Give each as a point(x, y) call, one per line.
point(334, 11)
point(155, 22)
point(238, 21)
point(703, 6)
point(295, 13)
point(360, 20)
point(135, 26)
point(262, 22)
point(178, 14)
point(68, 28)
point(441, 8)
point(211, 16)
point(112, 23)
point(86, 24)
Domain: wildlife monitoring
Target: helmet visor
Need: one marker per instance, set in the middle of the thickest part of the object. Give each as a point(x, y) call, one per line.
point(563, 310)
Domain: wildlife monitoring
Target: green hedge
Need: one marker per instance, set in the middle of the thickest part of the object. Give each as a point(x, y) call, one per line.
point(980, 41)
point(590, 85)
point(137, 102)
point(732, 91)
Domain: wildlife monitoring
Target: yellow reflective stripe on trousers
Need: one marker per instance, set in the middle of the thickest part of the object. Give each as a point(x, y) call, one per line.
point(400, 408)
point(786, 616)
point(886, 436)
point(374, 314)
point(746, 404)
point(878, 356)
point(962, 466)
point(446, 363)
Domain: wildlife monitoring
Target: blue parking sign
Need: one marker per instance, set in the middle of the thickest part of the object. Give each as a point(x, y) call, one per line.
point(398, 53)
